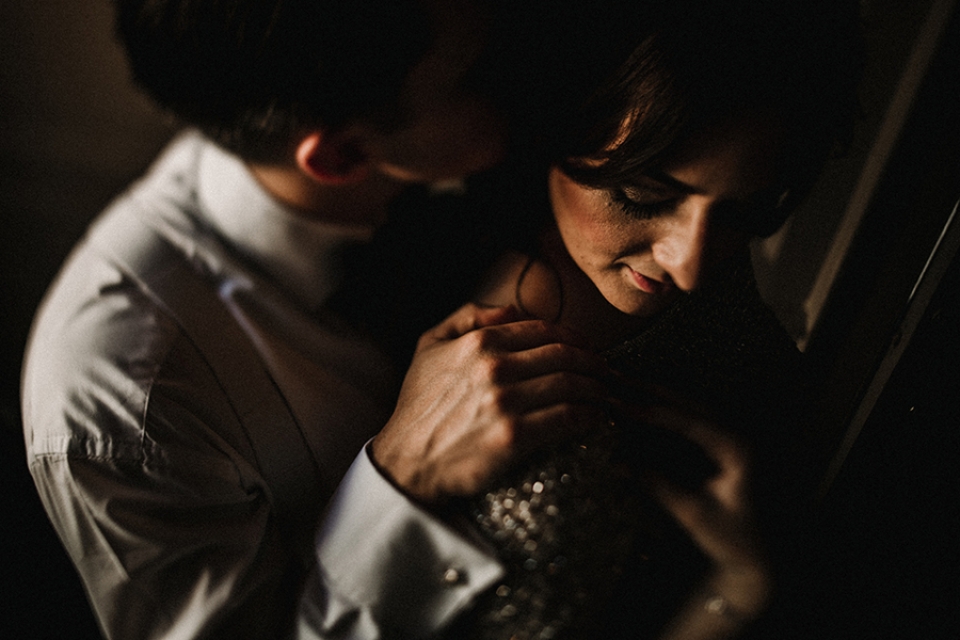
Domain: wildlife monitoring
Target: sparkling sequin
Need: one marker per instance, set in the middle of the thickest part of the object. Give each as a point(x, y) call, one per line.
point(565, 525)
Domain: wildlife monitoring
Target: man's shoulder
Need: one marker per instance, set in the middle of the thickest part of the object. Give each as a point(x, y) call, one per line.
point(97, 330)
point(96, 347)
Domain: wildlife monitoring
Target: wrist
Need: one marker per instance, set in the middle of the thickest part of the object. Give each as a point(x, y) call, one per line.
point(726, 602)
point(394, 467)
point(741, 592)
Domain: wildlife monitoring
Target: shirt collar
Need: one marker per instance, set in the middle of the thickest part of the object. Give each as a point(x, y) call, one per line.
point(302, 255)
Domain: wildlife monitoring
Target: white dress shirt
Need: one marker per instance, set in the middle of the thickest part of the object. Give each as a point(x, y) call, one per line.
point(141, 458)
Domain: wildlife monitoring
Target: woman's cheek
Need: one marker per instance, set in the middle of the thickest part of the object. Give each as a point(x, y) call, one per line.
point(589, 219)
point(585, 221)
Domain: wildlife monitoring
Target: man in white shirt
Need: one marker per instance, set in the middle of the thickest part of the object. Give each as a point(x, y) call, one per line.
point(191, 408)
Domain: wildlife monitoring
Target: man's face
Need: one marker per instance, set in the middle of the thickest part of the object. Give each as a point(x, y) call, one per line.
point(449, 132)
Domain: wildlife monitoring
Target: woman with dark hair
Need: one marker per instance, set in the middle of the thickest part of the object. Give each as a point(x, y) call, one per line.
point(676, 521)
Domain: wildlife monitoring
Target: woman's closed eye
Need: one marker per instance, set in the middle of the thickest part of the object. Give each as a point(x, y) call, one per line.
point(642, 204)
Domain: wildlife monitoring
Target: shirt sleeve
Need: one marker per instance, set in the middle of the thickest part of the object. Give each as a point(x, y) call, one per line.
point(387, 567)
point(169, 526)
point(172, 532)
point(143, 466)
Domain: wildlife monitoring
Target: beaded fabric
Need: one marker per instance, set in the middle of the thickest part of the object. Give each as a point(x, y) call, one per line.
point(588, 555)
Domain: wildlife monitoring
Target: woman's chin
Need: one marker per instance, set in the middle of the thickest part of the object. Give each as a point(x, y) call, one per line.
point(642, 305)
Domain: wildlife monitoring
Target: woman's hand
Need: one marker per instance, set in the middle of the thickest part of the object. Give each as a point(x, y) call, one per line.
point(719, 517)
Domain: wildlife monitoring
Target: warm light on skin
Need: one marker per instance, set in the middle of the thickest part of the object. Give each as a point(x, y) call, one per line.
point(639, 264)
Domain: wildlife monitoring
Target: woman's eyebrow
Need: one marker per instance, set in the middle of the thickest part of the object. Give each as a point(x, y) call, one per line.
point(670, 182)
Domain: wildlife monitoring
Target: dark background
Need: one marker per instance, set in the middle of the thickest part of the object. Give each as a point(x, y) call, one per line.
point(73, 132)
point(884, 564)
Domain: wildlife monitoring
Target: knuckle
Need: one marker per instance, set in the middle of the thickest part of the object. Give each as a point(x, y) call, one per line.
point(569, 381)
point(502, 435)
point(492, 368)
point(479, 340)
point(555, 349)
point(470, 478)
point(426, 340)
point(487, 369)
point(498, 370)
point(497, 402)
point(567, 416)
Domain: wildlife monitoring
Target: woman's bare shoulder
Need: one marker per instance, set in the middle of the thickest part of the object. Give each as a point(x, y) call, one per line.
point(523, 281)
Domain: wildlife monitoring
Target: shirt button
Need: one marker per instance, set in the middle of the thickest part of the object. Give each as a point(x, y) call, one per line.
point(453, 576)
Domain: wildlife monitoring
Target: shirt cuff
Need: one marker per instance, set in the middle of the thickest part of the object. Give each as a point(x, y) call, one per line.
point(386, 560)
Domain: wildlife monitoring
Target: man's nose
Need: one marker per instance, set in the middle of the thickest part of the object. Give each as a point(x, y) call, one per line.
point(681, 249)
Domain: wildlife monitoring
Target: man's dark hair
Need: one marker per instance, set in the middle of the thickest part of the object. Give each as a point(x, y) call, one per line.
point(253, 73)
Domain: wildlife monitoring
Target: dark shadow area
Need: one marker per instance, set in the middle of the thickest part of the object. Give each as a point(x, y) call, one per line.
point(43, 597)
point(885, 562)
point(73, 132)
point(885, 559)
point(888, 562)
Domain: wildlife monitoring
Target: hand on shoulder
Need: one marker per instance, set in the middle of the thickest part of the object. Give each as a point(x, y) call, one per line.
point(485, 388)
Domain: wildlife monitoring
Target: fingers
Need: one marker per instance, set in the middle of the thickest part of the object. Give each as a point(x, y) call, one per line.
point(543, 411)
point(500, 328)
point(716, 512)
point(547, 359)
point(469, 318)
point(522, 350)
point(529, 334)
point(554, 388)
point(723, 529)
point(712, 504)
point(550, 409)
point(492, 316)
point(482, 390)
point(516, 350)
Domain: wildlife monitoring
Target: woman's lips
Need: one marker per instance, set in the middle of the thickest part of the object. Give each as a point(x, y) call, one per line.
point(647, 284)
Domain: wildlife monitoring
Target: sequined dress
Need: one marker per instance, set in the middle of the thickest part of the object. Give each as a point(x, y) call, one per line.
point(588, 555)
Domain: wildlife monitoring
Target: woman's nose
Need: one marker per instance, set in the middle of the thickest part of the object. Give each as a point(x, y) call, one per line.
point(682, 246)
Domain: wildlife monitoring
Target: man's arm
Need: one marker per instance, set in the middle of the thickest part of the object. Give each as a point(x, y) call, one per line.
point(167, 521)
point(482, 391)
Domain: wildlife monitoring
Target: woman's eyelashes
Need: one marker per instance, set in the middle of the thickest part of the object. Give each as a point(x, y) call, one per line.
point(642, 204)
point(758, 216)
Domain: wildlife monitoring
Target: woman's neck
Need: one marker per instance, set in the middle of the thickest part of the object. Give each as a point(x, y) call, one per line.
point(550, 286)
point(584, 308)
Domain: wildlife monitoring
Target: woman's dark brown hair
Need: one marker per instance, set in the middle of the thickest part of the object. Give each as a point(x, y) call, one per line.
point(700, 63)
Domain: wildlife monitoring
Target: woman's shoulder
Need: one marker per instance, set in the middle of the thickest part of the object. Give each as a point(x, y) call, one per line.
point(522, 280)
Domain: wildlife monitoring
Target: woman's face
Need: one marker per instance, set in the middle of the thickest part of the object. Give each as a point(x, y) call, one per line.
point(642, 243)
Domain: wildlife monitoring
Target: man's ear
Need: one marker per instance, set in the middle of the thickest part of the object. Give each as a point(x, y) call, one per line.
point(333, 158)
